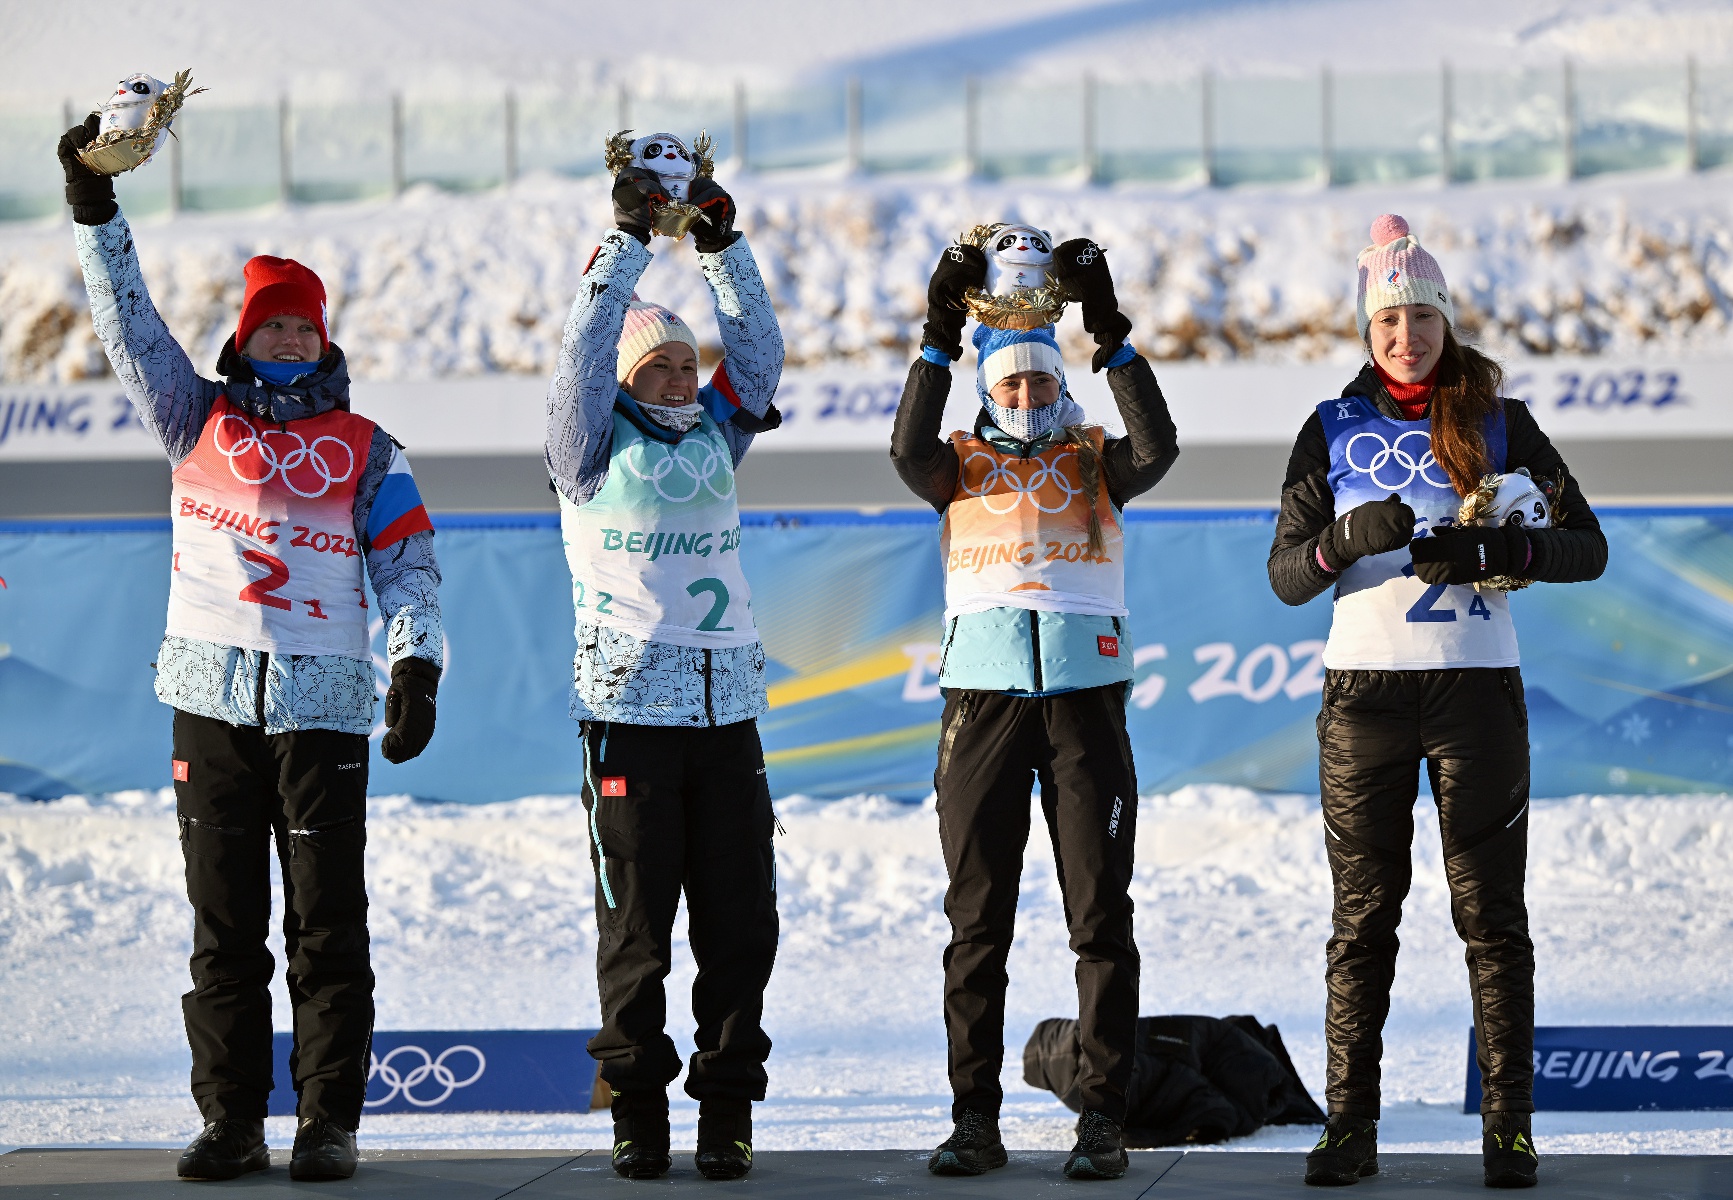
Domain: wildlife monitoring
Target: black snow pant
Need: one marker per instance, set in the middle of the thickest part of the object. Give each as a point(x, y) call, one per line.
point(992, 746)
point(1470, 725)
point(675, 808)
point(238, 788)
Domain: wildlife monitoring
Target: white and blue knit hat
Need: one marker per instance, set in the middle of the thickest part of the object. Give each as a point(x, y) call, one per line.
point(1002, 352)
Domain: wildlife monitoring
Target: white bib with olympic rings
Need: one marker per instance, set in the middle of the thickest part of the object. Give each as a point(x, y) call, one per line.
point(265, 554)
point(656, 552)
point(1385, 618)
point(1016, 534)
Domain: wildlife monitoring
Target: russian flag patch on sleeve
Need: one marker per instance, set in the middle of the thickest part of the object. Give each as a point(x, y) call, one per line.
point(397, 508)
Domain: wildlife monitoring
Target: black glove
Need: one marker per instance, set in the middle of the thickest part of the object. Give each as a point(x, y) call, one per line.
point(960, 268)
point(719, 233)
point(1470, 553)
point(1373, 528)
point(637, 196)
point(410, 707)
point(1080, 273)
point(90, 193)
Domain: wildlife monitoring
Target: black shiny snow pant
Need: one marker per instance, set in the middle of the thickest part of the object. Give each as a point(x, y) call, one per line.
point(677, 809)
point(992, 748)
point(307, 790)
point(1470, 726)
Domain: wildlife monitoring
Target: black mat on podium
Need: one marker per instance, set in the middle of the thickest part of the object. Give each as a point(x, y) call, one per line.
point(847, 1175)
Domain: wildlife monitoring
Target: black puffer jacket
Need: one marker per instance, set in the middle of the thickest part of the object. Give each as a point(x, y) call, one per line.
point(1573, 551)
point(1193, 1079)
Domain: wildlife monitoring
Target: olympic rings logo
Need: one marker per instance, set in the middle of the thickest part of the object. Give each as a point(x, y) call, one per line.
point(307, 470)
point(1001, 481)
point(1088, 254)
point(684, 474)
point(402, 1083)
point(1403, 457)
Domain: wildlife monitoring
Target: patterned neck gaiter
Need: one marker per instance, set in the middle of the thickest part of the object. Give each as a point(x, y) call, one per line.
point(1026, 424)
point(679, 418)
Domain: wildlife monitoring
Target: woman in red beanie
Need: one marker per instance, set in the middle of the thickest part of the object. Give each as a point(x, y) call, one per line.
point(285, 506)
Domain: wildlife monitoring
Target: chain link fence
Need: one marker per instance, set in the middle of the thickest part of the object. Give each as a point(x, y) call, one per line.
point(1331, 129)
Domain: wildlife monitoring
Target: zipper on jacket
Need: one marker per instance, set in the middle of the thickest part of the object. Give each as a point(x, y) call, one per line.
point(1035, 644)
point(259, 694)
point(709, 715)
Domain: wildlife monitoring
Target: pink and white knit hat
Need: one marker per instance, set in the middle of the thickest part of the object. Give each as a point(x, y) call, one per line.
point(1395, 270)
point(647, 327)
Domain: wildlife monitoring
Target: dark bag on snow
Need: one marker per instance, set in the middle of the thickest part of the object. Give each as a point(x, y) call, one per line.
point(1194, 1079)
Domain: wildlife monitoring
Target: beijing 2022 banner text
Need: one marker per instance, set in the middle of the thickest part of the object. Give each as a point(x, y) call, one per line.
point(1630, 678)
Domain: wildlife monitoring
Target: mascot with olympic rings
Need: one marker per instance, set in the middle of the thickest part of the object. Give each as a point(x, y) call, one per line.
point(668, 682)
point(285, 507)
point(1036, 665)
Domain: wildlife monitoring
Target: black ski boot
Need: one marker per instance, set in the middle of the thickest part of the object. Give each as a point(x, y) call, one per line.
point(1507, 1149)
point(323, 1150)
point(973, 1148)
point(1100, 1149)
point(641, 1134)
point(225, 1150)
point(1347, 1153)
point(724, 1138)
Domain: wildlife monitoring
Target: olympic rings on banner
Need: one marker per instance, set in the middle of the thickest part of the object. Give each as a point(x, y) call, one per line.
point(298, 457)
point(1404, 458)
point(402, 1083)
point(1001, 480)
point(700, 469)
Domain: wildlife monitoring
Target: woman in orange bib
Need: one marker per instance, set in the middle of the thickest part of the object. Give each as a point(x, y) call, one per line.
point(1035, 668)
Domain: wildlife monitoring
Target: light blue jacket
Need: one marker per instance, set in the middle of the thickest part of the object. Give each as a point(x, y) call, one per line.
point(303, 691)
point(615, 675)
point(1029, 650)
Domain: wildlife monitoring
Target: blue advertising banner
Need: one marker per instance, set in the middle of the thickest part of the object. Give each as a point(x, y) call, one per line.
point(1629, 678)
point(486, 1070)
point(1625, 1068)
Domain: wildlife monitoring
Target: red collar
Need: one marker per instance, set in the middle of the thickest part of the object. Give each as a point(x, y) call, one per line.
point(1411, 398)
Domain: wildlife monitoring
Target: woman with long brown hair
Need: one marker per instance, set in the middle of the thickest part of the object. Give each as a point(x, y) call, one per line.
point(1421, 665)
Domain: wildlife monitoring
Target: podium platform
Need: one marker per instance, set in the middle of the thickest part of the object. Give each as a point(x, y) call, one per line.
point(844, 1175)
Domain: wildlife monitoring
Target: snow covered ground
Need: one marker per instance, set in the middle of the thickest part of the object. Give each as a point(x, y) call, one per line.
point(434, 284)
point(482, 918)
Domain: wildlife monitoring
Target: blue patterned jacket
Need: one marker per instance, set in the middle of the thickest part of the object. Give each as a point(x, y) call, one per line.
point(616, 676)
point(305, 691)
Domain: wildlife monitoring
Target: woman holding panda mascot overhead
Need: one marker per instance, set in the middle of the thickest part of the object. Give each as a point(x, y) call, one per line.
point(1421, 664)
point(1036, 665)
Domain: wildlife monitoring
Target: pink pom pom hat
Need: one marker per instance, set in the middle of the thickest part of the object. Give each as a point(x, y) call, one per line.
point(648, 326)
point(1395, 270)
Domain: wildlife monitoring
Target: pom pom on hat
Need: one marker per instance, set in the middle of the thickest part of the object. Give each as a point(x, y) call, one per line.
point(1388, 228)
point(280, 287)
point(1396, 270)
point(648, 326)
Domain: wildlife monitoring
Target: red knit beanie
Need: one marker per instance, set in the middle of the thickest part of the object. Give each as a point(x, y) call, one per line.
point(280, 287)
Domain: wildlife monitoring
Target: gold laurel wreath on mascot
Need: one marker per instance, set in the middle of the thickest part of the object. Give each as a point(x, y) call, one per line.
point(676, 218)
point(128, 138)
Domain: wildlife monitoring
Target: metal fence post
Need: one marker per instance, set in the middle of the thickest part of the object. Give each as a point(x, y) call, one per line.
point(1693, 159)
point(396, 143)
point(740, 146)
point(1446, 122)
point(510, 114)
point(1568, 135)
point(971, 127)
point(67, 120)
point(174, 174)
point(1091, 139)
point(285, 143)
point(852, 122)
point(1207, 131)
point(622, 108)
point(1326, 129)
